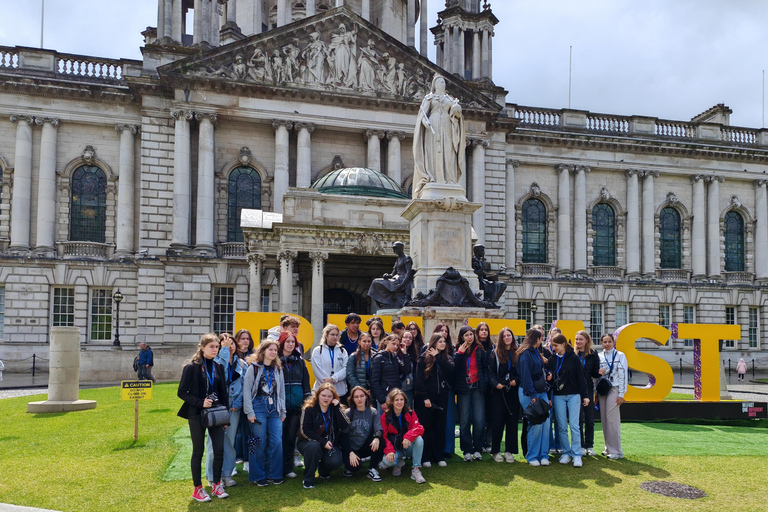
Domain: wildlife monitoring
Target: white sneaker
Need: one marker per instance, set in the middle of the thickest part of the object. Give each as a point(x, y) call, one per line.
point(591, 452)
point(577, 462)
point(467, 457)
point(234, 471)
point(477, 456)
point(228, 481)
point(498, 457)
point(534, 463)
point(442, 464)
point(544, 462)
point(298, 462)
point(583, 452)
point(245, 467)
point(397, 470)
point(291, 475)
point(417, 476)
point(509, 457)
point(427, 464)
point(565, 459)
point(457, 433)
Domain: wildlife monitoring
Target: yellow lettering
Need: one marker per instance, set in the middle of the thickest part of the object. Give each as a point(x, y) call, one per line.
point(706, 355)
point(661, 380)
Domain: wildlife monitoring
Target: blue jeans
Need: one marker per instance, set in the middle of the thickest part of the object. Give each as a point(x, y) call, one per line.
point(472, 421)
point(450, 423)
point(538, 435)
point(229, 448)
point(415, 451)
point(567, 411)
point(266, 462)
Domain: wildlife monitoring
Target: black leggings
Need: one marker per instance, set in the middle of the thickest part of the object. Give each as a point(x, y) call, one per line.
point(587, 424)
point(505, 408)
point(290, 430)
point(434, 422)
point(197, 432)
point(365, 451)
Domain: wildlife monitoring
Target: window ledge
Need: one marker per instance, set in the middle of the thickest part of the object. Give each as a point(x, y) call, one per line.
point(84, 250)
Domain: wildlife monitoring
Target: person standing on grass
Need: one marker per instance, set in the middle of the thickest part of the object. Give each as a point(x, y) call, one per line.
point(146, 362)
point(329, 361)
point(741, 369)
point(434, 373)
point(533, 387)
point(402, 436)
point(410, 356)
point(590, 362)
point(470, 380)
point(386, 369)
point(323, 435)
point(297, 389)
point(613, 366)
point(504, 403)
point(245, 347)
point(202, 385)
point(365, 434)
point(569, 388)
point(483, 332)
point(264, 405)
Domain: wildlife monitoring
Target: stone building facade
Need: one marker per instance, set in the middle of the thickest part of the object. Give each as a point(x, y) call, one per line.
point(133, 175)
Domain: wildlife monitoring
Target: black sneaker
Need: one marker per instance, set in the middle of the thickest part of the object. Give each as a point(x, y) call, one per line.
point(308, 485)
point(276, 482)
point(262, 483)
point(324, 477)
point(374, 475)
point(347, 472)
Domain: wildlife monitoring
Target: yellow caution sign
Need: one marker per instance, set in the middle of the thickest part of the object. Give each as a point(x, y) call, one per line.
point(136, 390)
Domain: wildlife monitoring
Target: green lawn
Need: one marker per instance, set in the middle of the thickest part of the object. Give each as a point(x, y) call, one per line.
point(87, 461)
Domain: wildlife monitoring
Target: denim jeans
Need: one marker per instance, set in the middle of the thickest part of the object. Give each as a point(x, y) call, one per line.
point(267, 459)
point(414, 450)
point(472, 421)
point(567, 411)
point(538, 435)
point(229, 448)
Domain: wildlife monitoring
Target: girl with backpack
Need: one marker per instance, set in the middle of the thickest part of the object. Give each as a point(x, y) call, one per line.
point(505, 404)
point(297, 390)
point(434, 373)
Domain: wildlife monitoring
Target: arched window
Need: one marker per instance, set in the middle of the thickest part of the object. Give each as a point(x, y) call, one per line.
point(534, 231)
point(734, 242)
point(88, 212)
point(604, 237)
point(669, 230)
point(244, 192)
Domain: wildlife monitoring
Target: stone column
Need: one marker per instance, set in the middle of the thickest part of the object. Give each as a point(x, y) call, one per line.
point(168, 18)
point(485, 54)
point(373, 137)
point(761, 229)
point(713, 226)
point(478, 186)
point(366, 10)
point(439, 53)
point(490, 55)
point(318, 289)
point(22, 184)
point(207, 24)
point(281, 162)
point(46, 188)
point(255, 268)
point(161, 19)
point(580, 219)
point(423, 29)
point(477, 61)
point(510, 230)
point(126, 189)
point(564, 218)
point(176, 20)
point(258, 16)
point(304, 154)
point(197, 31)
point(633, 223)
point(310, 4)
point(699, 229)
point(214, 31)
point(447, 63)
point(232, 11)
point(283, 12)
point(649, 224)
point(461, 57)
point(182, 179)
point(286, 259)
point(394, 158)
point(206, 185)
point(411, 23)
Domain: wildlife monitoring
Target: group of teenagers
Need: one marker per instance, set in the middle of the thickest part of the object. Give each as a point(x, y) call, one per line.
point(384, 398)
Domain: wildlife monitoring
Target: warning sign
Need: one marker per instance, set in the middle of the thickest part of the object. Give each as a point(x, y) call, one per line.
point(136, 390)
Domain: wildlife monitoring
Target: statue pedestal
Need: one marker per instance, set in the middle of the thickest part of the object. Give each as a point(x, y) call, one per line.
point(443, 191)
point(441, 237)
point(454, 318)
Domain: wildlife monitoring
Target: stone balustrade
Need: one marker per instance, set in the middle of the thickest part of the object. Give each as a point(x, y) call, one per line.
point(9, 57)
point(67, 65)
point(537, 270)
point(607, 123)
point(232, 250)
point(676, 275)
point(739, 277)
point(84, 250)
point(607, 273)
point(89, 67)
point(675, 129)
point(532, 116)
point(740, 135)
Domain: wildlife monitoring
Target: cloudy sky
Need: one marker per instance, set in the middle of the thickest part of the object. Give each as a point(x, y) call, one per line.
point(665, 58)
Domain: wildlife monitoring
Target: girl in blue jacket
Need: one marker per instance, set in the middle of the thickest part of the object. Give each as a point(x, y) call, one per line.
point(533, 386)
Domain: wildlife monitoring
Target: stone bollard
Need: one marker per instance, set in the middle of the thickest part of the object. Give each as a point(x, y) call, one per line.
point(64, 374)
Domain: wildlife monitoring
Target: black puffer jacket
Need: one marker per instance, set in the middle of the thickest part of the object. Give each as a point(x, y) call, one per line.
point(386, 371)
point(591, 364)
point(435, 387)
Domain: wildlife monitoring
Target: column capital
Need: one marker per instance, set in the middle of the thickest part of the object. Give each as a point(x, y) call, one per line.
point(713, 178)
point(511, 162)
point(15, 118)
point(277, 123)
point(210, 116)
point(134, 129)
point(472, 141)
point(253, 257)
point(40, 121)
point(310, 127)
point(399, 135)
point(632, 172)
point(314, 256)
point(182, 114)
point(581, 168)
point(760, 183)
point(695, 178)
point(649, 174)
point(287, 255)
point(368, 134)
point(563, 168)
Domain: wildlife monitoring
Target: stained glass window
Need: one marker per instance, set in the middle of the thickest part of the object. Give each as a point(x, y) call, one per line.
point(604, 238)
point(534, 231)
point(669, 229)
point(88, 214)
point(734, 242)
point(244, 192)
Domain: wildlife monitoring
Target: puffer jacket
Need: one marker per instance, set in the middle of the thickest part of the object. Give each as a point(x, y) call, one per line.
point(359, 375)
point(295, 374)
point(435, 387)
point(386, 372)
point(235, 386)
point(394, 433)
point(460, 371)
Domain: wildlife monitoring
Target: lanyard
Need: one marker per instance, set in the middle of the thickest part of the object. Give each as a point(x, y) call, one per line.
point(509, 365)
point(269, 382)
point(367, 365)
point(210, 376)
point(400, 419)
point(610, 365)
point(231, 370)
point(325, 420)
point(560, 360)
point(469, 362)
point(332, 355)
point(583, 359)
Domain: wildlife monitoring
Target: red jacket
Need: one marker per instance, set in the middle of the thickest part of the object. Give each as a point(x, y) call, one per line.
point(394, 435)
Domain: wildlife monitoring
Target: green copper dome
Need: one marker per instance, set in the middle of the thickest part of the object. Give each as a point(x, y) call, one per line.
point(359, 181)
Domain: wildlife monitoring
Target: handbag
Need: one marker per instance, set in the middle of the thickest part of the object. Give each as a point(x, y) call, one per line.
point(603, 387)
point(537, 412)
point(216, 416)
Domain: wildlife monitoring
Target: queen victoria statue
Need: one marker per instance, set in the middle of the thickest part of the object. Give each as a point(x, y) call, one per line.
point(438, 140)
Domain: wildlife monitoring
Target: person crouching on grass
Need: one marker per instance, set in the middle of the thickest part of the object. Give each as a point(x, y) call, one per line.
point(402, 436)
point(264, 405)
point(202, 384)
point(365, 434)
point(323, 434)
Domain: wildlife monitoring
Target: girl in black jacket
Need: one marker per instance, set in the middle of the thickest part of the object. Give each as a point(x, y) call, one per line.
point(569, 389)
point(590, 361)
point(505, 404)
point(483, 332)
point(434, 372)
point(297, 390)
point(323, 434)
point(470, 380)
point(387, 368)
point(203, 384)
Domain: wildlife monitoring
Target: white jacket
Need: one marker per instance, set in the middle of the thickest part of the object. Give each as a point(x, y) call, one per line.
point(321, 367)
point(618, 377)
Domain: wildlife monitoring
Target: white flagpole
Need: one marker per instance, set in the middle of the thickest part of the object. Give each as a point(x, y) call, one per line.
point(42, 24)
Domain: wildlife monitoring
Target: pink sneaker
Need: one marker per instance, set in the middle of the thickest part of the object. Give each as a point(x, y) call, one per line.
point(218, 491)
point(200, 494)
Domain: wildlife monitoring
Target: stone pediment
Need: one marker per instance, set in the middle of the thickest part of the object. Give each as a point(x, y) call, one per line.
point(334, 52)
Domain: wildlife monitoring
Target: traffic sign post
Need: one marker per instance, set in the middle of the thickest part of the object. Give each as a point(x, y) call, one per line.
point(136, 390)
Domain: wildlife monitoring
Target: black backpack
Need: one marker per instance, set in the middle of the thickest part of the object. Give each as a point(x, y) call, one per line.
point(136, 364)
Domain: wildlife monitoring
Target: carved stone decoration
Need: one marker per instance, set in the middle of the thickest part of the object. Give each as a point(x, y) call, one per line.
point(451, 290)
point(605, 195)
point(535, 189)
point(368, 244)
point(337, 163)
point(89, 153)
point(244, 156)
point(672, 198)
point(735, 201)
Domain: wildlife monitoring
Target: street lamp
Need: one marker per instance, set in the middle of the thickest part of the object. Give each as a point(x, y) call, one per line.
point(118, 298)
point(534, 307)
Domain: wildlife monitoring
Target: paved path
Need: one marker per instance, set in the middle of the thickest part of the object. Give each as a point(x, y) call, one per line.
point(15, 508)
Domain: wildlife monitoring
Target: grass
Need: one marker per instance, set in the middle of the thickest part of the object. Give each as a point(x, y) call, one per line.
point(88, 461)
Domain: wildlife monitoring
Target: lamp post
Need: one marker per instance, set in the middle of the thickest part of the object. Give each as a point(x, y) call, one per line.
point(118, 298)
point(534, 307)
